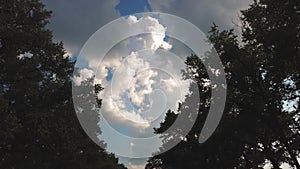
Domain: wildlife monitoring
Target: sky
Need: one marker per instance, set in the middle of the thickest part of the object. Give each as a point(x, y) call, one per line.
point(74, 22)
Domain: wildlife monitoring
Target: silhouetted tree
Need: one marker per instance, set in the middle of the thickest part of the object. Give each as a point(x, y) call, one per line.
point(262, 73)
point(38, 124)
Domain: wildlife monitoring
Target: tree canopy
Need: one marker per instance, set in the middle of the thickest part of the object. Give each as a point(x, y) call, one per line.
point(263, 75)
point(38, 126)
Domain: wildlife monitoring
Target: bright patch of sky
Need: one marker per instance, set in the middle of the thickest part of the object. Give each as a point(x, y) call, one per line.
point(25, 55)
point(128, 7)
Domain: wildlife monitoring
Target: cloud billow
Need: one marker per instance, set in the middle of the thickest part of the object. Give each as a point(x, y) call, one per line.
point(140, 71)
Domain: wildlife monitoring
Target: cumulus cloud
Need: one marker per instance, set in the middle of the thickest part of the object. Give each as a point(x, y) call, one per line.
point(158, 31)
point(132, 82)
point(134, 163)
point(138, 82)
point(116, 113)
point(142, 80)
point(129, 88)
point(169, 84)
point(84, 74)
point(136, 166)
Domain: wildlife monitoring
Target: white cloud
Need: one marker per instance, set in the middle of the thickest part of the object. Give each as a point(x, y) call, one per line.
point(158, 31)
point(84, 74)
point(68, 53)
point(135, 166)
point(143, 80)
point(133, 78)
point(130, 96)
point(116, 114)
point(132, 19)
point(169, 84)
point(129, 82)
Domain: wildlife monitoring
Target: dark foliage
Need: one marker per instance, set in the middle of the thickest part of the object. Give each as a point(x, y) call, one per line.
point(38, 124)
point(262, 73)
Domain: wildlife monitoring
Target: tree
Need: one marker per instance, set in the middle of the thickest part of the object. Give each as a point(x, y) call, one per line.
point(39, 128)
point(262, 73)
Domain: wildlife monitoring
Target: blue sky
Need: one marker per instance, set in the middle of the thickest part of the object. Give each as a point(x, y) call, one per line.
point(126, 7)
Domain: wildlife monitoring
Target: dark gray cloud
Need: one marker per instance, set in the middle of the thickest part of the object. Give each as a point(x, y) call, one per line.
point(203, 13)
point(73, 22)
